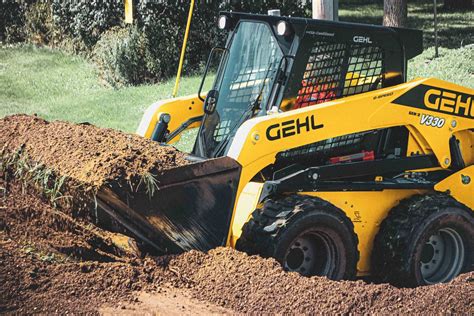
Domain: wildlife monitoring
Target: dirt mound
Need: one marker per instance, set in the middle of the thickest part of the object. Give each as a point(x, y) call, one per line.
point(53, 263)
point(252, 284)
point(85, 152)
point(38, 276)
point(71, 164)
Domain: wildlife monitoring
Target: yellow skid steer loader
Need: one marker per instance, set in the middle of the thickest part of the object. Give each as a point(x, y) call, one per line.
point(313, 149)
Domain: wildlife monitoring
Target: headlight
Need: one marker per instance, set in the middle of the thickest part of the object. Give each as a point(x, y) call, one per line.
point(283, 28)
point(223, 22)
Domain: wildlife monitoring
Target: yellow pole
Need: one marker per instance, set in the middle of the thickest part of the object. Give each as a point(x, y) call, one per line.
point(183, 49)
point(129, 11)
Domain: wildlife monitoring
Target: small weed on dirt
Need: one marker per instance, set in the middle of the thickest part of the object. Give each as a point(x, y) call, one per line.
point(150, 182)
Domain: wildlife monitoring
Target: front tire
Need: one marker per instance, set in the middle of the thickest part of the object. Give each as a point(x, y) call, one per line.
point(305, 234)
point(426, 239)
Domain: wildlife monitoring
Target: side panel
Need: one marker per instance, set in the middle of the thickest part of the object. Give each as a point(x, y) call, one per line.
point(181, 109)
point(460, 185)
point(246, 204)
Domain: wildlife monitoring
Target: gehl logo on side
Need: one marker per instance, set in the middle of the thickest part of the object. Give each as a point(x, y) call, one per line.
point(437, 99)
point(292, 127)
point(449, 102)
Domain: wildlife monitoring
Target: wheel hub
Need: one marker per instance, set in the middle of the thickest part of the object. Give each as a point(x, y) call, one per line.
point(442, 256)
point(311, 254)
point(301, 256)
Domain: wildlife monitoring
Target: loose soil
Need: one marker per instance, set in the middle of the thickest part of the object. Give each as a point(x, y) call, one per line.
point(166, 301)
point(90, 155)
point(54, 262)
point(39, 273)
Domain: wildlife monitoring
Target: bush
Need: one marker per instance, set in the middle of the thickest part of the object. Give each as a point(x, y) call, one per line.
point(39, 22)
point(85, 21)
point(150, 51)
point(160, 24)
point(12, 21)
point(119, 55)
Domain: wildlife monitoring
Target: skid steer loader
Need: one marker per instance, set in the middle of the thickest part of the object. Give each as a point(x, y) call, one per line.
point(313, 149)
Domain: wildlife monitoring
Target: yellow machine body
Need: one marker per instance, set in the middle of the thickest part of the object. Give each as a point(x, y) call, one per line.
point(253, 150)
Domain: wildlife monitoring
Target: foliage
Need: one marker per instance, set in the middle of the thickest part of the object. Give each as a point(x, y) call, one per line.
point(119, 55)
point(78, 26)
point(12, 21)
point(149, 51)
point(85, 21)
point(39, 22)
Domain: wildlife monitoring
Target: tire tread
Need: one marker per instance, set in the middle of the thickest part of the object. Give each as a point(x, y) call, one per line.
point(391, 244)
point(260, 234)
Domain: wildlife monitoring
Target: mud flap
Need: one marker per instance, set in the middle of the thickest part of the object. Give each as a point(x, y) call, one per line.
point(191, 209)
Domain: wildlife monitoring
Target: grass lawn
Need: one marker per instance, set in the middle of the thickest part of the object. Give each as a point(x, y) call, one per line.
point(455, 28)
point(60, 86)
point(454, 65)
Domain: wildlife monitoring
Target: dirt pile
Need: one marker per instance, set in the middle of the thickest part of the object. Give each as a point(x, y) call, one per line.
point(89, 154)
point(39, 274)
point(252, 284)
point(71, 164)
point(53, 263)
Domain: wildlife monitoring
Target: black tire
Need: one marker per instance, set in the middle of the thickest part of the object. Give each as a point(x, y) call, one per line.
point(305, 234)
point(425, 239)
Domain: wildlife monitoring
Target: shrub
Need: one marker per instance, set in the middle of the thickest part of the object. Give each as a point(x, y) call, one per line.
point(39, 22)
point(85, 21)
point(160, 24)
point(12, 20)
point(119, 55)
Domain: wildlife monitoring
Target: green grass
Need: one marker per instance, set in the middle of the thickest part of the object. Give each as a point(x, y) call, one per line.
point(455, 65)
point(455, 28)
point(55, 85)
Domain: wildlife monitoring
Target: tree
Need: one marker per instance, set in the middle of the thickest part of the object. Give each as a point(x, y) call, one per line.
point(326, 10)
point(458, 4)
point(395, 13)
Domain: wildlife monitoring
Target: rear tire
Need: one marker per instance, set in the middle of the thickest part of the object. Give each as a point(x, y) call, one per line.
point(426, 239)
point(305, 234)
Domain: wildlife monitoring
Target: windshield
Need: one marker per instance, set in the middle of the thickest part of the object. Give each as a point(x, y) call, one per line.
point(244, 84)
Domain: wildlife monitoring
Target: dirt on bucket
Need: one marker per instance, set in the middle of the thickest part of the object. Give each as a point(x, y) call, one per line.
point(84, 152)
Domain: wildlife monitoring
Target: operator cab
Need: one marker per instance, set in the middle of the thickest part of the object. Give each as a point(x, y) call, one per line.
point(272, 64)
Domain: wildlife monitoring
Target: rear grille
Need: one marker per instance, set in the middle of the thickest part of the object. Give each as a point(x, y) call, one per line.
point(337, 70)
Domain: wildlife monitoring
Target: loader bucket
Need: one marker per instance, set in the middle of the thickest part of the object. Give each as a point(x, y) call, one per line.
point(191, 209)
